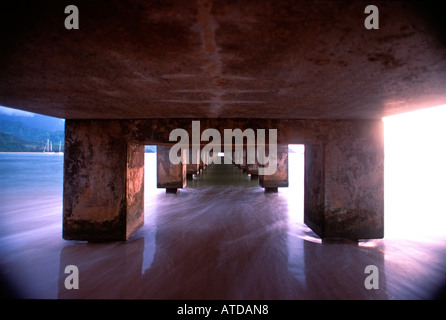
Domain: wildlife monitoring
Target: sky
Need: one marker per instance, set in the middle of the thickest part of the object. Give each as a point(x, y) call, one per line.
point(31, 119)
point(15, 112)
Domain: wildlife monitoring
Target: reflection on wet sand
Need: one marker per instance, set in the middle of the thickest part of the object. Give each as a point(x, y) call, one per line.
point(223, 257)
point(223, 242)
point(223, 251)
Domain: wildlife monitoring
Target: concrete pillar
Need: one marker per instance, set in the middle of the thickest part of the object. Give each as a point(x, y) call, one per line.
point(243, 160)
point(280, 178)
point(103, 194)
point(135, 188)
point(191, 168)
point(237, 158)
point(314, 190)
point(253, 168)
point(344, 181)
point(205, 155)
point(202, 161)
point(168, 175)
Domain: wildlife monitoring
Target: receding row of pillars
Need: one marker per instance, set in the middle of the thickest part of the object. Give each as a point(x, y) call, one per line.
point(173, 177)
point(103, 197)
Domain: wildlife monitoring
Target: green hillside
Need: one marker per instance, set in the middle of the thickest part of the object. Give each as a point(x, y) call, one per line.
point(22, 131)
point(17, 137)
point(10, 143)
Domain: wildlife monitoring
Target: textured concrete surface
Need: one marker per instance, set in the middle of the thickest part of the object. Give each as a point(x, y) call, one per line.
point(191, 168)
point(253, 169)
point(135, 188)
point(280, 178)
point(314, 194)
point(344, 182)
point(169, 176)
point(354, 179)
point(103, 182)
point(222, 59)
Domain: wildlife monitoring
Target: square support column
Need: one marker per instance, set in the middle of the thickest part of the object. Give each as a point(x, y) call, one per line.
point(103, 195)
point(280, 178)
point(314, 188)
point(238, 158)
point(168, 175)
point(134, 188)
point(202, 157)
point(253, 169)
point(192, 168)
point(344, 181)
point(243, 160)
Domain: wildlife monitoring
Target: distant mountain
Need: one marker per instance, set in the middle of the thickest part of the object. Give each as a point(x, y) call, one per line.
point(34, 120)
point(150, 149)
point(16, 137)
point(26, 131)
point(10, 143)
point(22, 131)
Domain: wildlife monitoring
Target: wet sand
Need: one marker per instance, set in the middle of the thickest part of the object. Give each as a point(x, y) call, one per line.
point(221, 237)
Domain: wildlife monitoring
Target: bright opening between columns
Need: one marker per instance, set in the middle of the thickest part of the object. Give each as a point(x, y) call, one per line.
point(295, 190)
point(415, 173)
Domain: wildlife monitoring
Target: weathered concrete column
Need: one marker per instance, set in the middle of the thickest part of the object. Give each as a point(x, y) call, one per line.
point(202, 161)
point(135, 188)
point(237, 157)
point(253, 168)
point(192, 168)
point(200, 164)
point(168, 175)
point(103, 182)
point(205, 156)
point(344, 181)
point(243, 162)
point(314, 190)
point(279, 179)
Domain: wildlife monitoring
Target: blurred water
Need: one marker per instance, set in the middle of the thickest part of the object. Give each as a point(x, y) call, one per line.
point(221, 237)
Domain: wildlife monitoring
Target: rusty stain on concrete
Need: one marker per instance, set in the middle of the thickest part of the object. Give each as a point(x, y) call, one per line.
point(289, 59)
